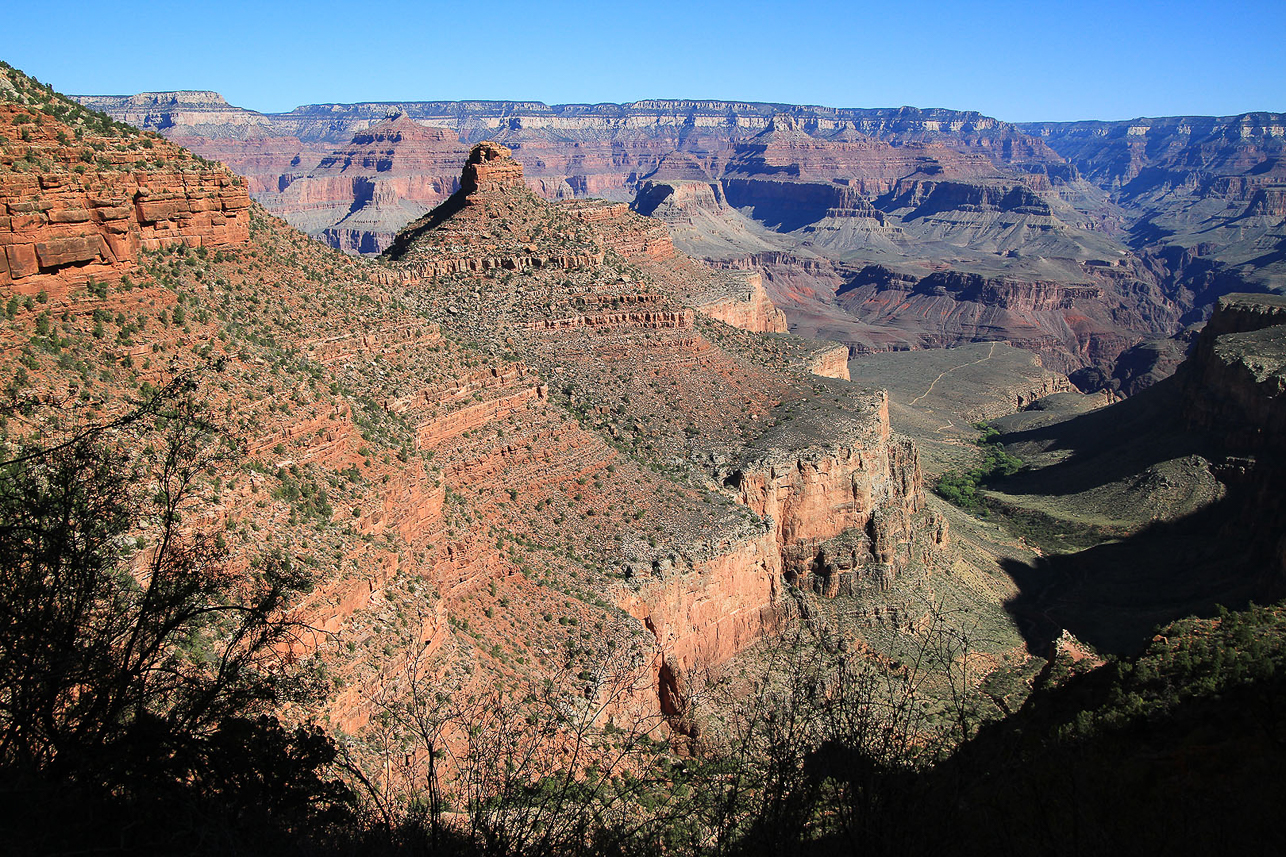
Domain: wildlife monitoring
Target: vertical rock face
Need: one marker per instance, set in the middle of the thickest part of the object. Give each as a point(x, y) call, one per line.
point(491, 167)
point(859, 479)
point(1236, 386)
point(1234, 390)
point(703, 614)
point(749, 310)
point(831, 362)
point(862, 486)
point(68, 214)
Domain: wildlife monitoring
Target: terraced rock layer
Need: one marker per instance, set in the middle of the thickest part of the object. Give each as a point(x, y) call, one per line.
point(1133, 228)
point(480, 493)
point(610, 332)
point(81, 215)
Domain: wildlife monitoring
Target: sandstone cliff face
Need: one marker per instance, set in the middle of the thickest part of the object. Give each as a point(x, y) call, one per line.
point(861, 479)
point(862, 485)
point(703, 614)
point(65, 232)
point(831, 362)
point(70, 223)
point(750, 309)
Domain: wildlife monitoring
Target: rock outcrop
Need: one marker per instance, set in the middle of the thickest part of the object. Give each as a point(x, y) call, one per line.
point(72, 216)
point(1236, 384)
point(859, 480)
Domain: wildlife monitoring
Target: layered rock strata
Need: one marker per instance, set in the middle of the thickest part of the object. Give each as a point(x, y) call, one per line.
point(1145, 222)
point(72, 222)
point(484, 476)
point(358, 197)
point(826, 470)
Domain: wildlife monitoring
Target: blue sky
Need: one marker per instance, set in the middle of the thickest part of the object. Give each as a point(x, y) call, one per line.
point(1018, 61)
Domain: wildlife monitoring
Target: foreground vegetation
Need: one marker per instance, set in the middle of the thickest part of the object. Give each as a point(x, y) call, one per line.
point(138, 681)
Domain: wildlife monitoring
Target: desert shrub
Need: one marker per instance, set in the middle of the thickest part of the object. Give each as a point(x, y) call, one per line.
point(961, 488)
point(137, 676)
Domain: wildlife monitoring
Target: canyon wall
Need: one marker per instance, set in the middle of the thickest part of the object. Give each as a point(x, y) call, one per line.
point(1234, 392)
point(862, 480)
point(1058, 214)
point(1236, 384)
point(81, 219)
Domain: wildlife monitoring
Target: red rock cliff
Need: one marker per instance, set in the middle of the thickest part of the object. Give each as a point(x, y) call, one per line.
point(63, 221)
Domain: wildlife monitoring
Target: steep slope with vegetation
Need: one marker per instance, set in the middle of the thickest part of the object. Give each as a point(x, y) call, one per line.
point(505, 544)
point(552, 487)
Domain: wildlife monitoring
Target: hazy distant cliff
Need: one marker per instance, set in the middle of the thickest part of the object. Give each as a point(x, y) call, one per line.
point(1091, 238)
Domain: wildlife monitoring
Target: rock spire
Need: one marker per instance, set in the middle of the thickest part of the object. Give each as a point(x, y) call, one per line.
point(490, 167)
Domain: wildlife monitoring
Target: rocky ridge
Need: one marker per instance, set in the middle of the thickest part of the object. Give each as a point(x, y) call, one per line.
point(608, 325)
point(809, 196)
point(1235, 392)
point(476, 494)
point(81, 196)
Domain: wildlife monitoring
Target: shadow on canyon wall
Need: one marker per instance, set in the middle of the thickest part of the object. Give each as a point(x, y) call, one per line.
point(1114, 594)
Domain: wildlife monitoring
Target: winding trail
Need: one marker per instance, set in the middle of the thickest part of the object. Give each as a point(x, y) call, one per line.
point(990, 352)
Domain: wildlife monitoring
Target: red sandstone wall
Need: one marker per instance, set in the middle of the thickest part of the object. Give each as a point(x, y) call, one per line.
point(57, 230)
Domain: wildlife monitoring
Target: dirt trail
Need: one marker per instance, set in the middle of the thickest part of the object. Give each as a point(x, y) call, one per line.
point(990, 352)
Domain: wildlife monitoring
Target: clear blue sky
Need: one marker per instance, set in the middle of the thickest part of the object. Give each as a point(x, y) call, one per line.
point(1018, 61)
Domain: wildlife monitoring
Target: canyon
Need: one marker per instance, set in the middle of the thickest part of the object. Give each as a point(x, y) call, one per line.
point(539, 455)
point(877, 228)
point(460, 394)
point(524, 411)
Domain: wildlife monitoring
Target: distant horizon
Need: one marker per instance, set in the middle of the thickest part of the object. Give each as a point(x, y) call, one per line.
point(557, 104)
point(1007, 59)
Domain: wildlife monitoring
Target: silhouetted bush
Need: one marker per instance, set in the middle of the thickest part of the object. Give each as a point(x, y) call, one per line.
point(136, 673)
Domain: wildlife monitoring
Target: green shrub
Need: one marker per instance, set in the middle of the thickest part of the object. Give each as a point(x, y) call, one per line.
point(961, 489)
